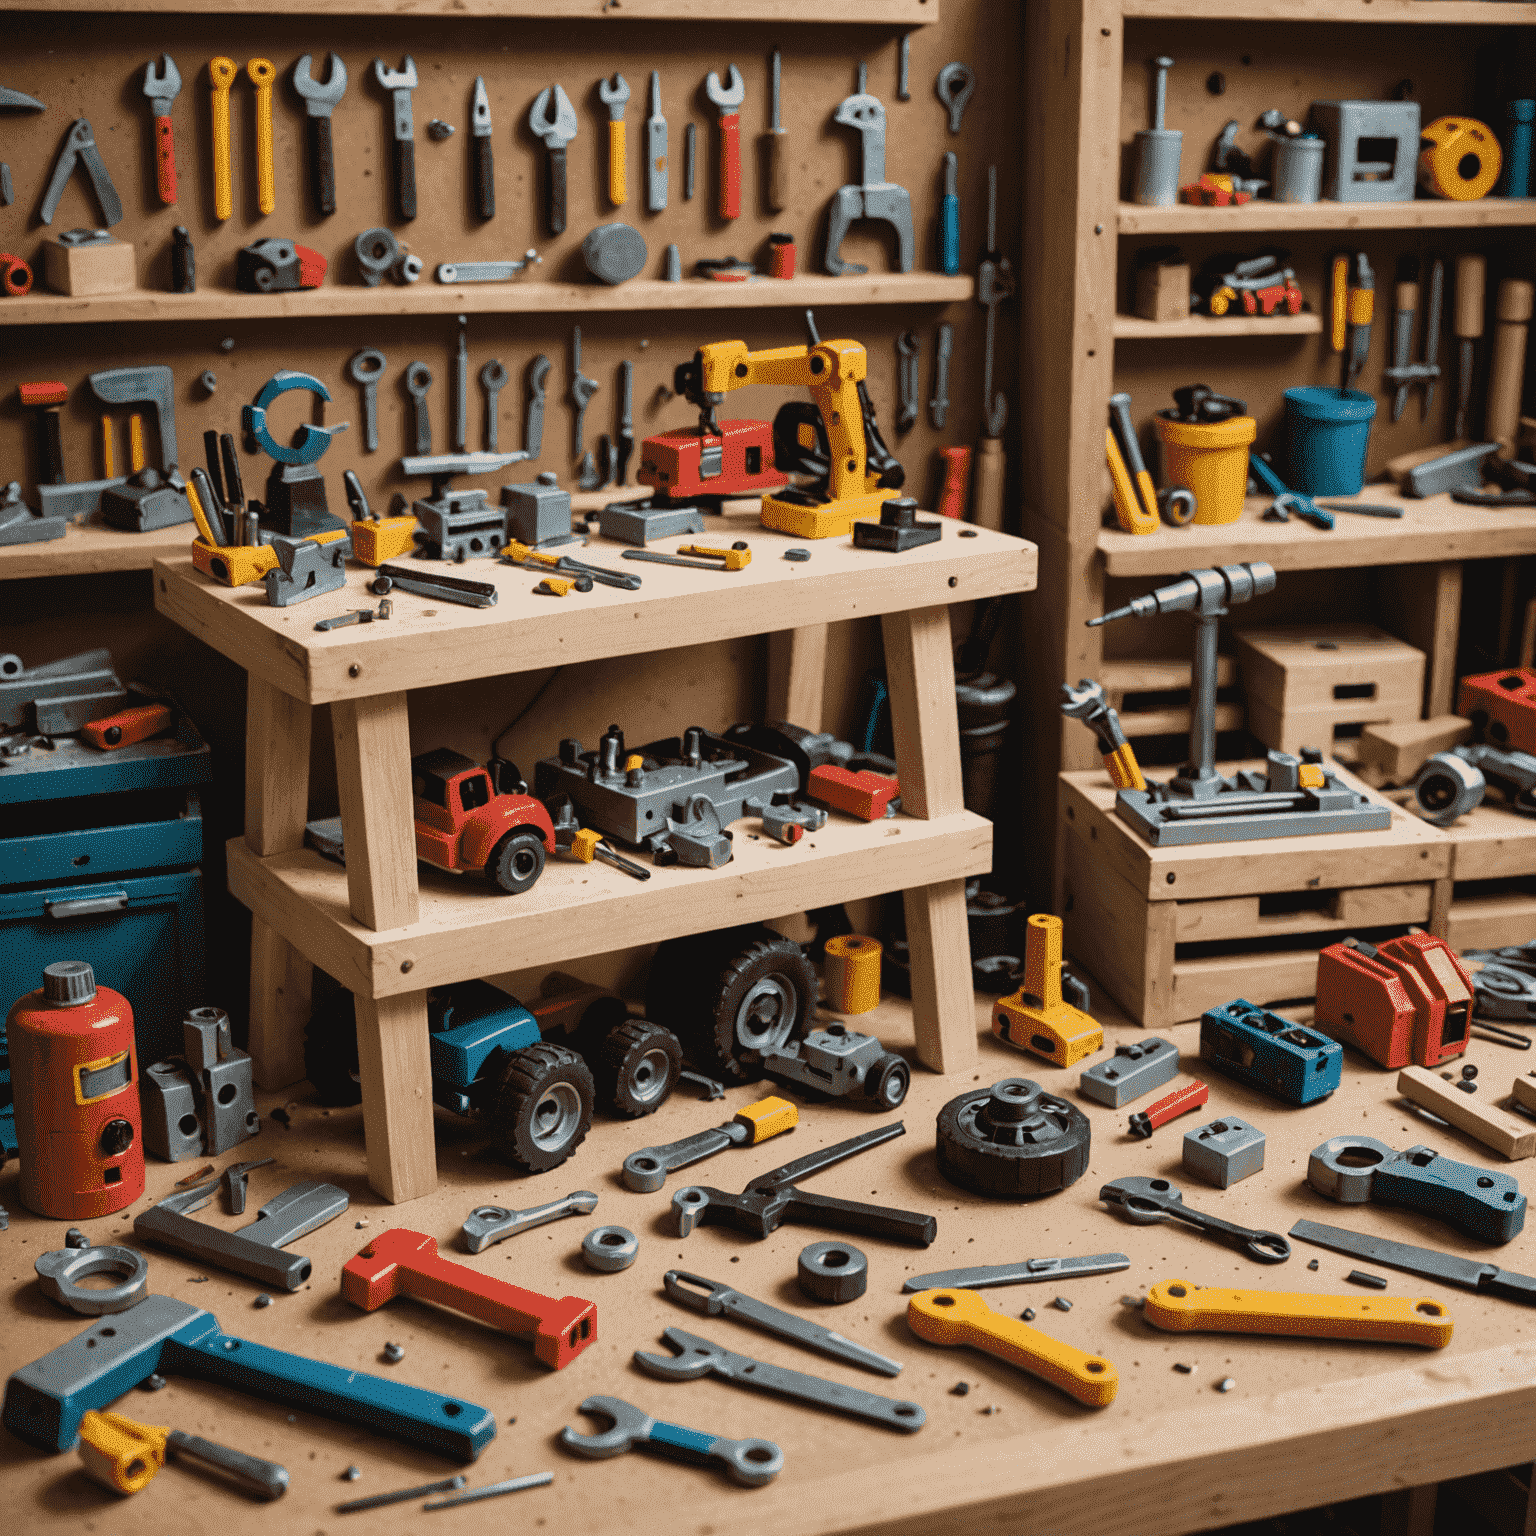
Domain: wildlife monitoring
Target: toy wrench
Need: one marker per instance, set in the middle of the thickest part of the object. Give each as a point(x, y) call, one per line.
point(162, 86)
point(727, 100)
point(1180, 1307)
point(221, 75)
point(963, 1317)
point(752, 1462)
point(698, 1357)
point(1147, 1201)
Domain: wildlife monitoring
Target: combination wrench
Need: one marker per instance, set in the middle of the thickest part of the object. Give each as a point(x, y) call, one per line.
point(365, 369)
point(487, 1225)
point(1147, 1201)
point(750, 1462)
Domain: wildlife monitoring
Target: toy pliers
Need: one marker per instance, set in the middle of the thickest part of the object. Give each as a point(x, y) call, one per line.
point(80, 148)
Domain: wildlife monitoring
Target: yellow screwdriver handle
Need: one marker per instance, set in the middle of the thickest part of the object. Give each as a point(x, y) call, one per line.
point(735, 559)
point(963, 1317)
point(119, 1452)
point(262, 75)
point(221, 72)
point(618, 186)
point(1181, 1307)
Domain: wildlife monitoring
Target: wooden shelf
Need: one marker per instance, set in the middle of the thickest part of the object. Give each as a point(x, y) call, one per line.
point(90, 547)
point(1434, 529)
point(1473, 13)
point(429, 297)
point(905, 13)
point(1203, 327)
point(1261, 214)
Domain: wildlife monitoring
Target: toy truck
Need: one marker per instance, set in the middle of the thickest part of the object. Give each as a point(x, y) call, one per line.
point(466, 821)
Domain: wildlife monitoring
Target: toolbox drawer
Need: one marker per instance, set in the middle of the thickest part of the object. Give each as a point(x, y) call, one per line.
point(100, 835)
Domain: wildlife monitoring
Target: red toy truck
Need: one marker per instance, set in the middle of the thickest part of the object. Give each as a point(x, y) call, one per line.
point(464, 822)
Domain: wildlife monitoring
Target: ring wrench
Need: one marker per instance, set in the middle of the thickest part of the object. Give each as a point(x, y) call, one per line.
point(1147, 1201)
point(752, 1462)
point(221, 75)
point(59, 1274)
point(490, 1224)
point(954, 86)
point(418, 380)
point(533, 417)
point(262, 73)
point(365, 370)
point(493, 379)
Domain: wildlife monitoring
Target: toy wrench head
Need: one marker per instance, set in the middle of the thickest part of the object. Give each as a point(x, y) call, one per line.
point(552, 117)
point(630, 1428)
point(162, 86)
point(695, 1357)
point(729, 97)
point(402, 79)
point(319, 99)
point(1142, 1201)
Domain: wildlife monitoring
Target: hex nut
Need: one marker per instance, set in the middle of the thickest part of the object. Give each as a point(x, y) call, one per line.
point(610, 1249)
point(835, 1272)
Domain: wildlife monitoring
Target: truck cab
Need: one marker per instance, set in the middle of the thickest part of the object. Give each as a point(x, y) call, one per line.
point(463, 822)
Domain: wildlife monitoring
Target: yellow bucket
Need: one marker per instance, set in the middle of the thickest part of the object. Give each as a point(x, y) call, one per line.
point(1210, 459)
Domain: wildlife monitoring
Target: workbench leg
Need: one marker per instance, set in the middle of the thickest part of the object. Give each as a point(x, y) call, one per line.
point(919, 668)
point(373, 781)
point(1422, 605)
point(396, 1071)
point(276, 804)
point(797, 675)
point(1409, 1512)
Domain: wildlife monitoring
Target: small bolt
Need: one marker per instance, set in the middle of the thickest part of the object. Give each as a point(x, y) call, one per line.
point(1062, 1304)
point(438, 130)
point(353, 1473)
point(960, 1389)
point(75, 1238)
point(1184, 1370)
point(1225, 1384)
point(394, 1353)
point(1312, 1264)
point(1028, 1314)
point(263, 1300)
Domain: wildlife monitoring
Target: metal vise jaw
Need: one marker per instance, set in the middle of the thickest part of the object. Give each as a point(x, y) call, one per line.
point(874, 197)
point(205, 1102)
point(305, 569)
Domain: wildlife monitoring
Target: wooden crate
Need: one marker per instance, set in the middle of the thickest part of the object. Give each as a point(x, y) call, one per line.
point(1305, 681)
point(1173, 931)
point(1493, 879)
point(1151, 696)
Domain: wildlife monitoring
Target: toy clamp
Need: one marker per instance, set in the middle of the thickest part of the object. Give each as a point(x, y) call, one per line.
point(312, 441)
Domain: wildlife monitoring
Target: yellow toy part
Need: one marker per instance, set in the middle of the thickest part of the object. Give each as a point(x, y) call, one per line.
point(375, 540)
point(852, 973)
point(120, 1453)
point(1462, 159)
point(1035, 1018)
point(963, 1317)
point(237, 565)
point(1180, 1307)
point(767, 1117)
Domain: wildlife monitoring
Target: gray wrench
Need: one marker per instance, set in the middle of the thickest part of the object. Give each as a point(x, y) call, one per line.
point(646, 1171)
point(712, 1299)
point(582, 388)
point(461, 389)
point(400, 83)
point(874, 197)
point(1148, 1201)
point(418, 380)
point(493, 379)
point(490, 1224)
point(1030, 1272)
point(752, 1462)
point(365, 369)
point(319, 102)
point(553, 119)
point(954, 86)
point(655, 150)
point(485, 271)
point(908, 348)
point(698, 1357)
point(994, 283)
point(938, 407)
point(59, 1274)
point(626, 435)
point(533, 416)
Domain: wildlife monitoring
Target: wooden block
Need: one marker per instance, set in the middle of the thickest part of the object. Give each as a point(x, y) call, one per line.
point(1317, 666)
point(1162, 291)
point(1489, 922)
point(1525, 1090)
point(1392, 752)
point(82, 270)
point(1292, 729)
point(797, 675)
point(1398, 468)
point(1153, 674)
point(1505, 1133)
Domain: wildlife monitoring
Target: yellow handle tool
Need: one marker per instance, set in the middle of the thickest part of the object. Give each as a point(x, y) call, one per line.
point(735, 559)
point(221, 72)
point(135, 443)
point(1181, 1307)
point(108, 449)
point(262, 75)
point(963, 1317)
point(200, 516)
point(1128, 509)
point(618, 184)
point(120, 1453)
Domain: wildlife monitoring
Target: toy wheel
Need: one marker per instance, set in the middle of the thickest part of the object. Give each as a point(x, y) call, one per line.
point(636, 1067)
point(1012, 1139)
point(330, 1053)
point(544, 1107)
point(517, 861)
point(888, 1081)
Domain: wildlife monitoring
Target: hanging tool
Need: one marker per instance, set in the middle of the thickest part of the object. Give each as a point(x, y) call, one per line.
point(1427, 1263)
point(655, 150)
point(1086, 702)
point(493, 379)
point(124, 1455)
point(777, 139)
point(751, 1462)
point(1403, 372)
point(955, 489)
point(553, 119)
point(400, 83)
point(1148, 1201)
point(736, 558)
point(80, 149)
point(582, 388)
point(697, 1357)
point(626, 434)
point(418, 380)
point(490, 1224)
point(646, 1171)
point(1179, 1307)
point(482, 161)
point(873, 197)
point(950, 1317)
point(613, 97)
point(994, 284)
point(938, 406)
point(486, 271)
point(221, 75)
point(1123, 430)
point(461, 388)
point(713, 1299)
point(954, 86)
point(319, 102)
point(262, 73)
point(162, 88)
point(949, 217)
point(727, 100)
point(904, 68)
point(1030, 1272)
point(690, 157)
point(365, 369)
point(909, 379)
point(1352, 310)
point(1471, 284)
point(533, 414)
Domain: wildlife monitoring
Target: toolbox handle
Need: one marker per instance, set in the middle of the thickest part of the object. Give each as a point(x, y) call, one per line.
point(88, 906)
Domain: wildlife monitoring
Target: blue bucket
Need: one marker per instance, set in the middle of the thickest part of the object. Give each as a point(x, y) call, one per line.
point(1327, 431)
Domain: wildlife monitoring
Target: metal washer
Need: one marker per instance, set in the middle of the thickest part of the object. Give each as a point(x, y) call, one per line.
point(58, 1272)
point(833, 1271)
point(610, 1249)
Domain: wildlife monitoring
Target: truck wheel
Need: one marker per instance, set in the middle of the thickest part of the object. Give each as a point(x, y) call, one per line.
point(636, 1067)
point(888, 1081)
point(330, 1053)
point(544, 1107)
point(517, 861)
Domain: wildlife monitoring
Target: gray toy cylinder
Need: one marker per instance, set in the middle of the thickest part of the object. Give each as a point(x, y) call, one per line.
point(1157, 166)
point(1298, 170)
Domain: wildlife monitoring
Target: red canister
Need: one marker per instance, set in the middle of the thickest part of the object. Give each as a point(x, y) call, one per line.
point(75, 1077)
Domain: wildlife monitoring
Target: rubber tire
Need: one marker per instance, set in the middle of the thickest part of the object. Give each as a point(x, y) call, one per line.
point(1014, 1173)
point(514, 849)
point(888, 1080)
point(330, 1053)
point(620, 1057)
point(527, 1078)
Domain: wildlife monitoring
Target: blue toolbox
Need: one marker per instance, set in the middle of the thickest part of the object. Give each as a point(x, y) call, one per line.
point(1271, 1052)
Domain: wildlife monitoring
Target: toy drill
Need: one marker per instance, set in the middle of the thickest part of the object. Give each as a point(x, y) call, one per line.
point(1037, 1018)
point(1087, 703)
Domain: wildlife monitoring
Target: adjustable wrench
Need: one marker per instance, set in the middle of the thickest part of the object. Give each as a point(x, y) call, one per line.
point(1148, 1201)
point(493, 379)
point(655, 150)
point(162, 89)
point(727, 100)
point(938, 407)
point(319, 101)
point(365, 370)
point(533, 415)
point(646, 1171)
point(262, 73)
point(221, 73)
point(400, 83)
point(910, 382)
point(490, 1224)
point(582, 388)
point(698, 1357)
point(751, 1462)
point(553, 119)
point(400, 1262)
point(482, 162)
point(613, 97)
point(418, 380)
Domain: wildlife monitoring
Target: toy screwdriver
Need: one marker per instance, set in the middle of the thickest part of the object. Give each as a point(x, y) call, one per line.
point(124, 1455)
point(1135, 495)
point(1353, 308)
point(737, 558)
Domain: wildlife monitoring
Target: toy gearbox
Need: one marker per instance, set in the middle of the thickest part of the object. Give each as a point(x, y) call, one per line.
point(1502, 709)
point(842, 1062)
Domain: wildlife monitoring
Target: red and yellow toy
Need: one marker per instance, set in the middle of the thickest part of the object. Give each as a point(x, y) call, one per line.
point(1405, 1002)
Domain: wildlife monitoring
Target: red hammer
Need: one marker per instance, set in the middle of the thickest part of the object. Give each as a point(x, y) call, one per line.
point(404, 1263)
point(46, 399)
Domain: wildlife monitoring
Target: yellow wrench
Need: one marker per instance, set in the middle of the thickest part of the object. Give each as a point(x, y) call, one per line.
point(221, 72)
point(613, 96)
point(963, 1317)
point(1181, 1307)
point(262, 75)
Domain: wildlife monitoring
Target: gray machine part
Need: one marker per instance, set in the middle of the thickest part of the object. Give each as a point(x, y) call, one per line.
point(1135, 1069)
point(610, 1249)
point(460, 525)
point(874, 197)
point(1505, 984)
point(538, 512)
point(224, 1075)
point(168, 1099)
point(1350, 128)
point(1030, 1272)
point(305, 570)
point(19, 524)
point(1459, 470)
point(1224, 1151)
point(614, 253)
point(154, 385)
point(1448, 787)
point(635, 522)
point(59, 697)
point(788, 822)
point(833, 1272)
point(59, 1274)
point(1338, 1170)
point(697, 838)
point(750, 1462)
point(80, 498)
point(834, 1060)
point(146, 502)
point(487, 1225)
point(1158, 148)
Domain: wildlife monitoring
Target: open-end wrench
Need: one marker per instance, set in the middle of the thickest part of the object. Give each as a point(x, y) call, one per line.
point(162, 88)
point(655, 150)
point(698, 1357)
point(626, 435)
point(400, 83)
point(727, 100)
point(485, 271)
point(908, 348)
point(954, 86)
point(613, 97)
point(553, 119)
point(319, 101)
point(1147, 1201)
point(533, 415)
point(752, 1462)
point(262, 73)
point(365, 369)
point(221, 74)
point(418, 380)
point(713, 1299)
point(481, 159)
point(487, 1225)
point(461, 389)
point(582, 388)
point(646, 1171)
point(938, 407)
point(493, 379)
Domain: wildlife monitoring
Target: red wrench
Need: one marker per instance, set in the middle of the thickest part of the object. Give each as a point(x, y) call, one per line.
point(162, 89)
point(728, 100)
point(405, 1263)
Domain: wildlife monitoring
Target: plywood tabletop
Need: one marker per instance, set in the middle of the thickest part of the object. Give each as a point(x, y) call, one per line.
point(1306, 1422)
point(427, 642)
